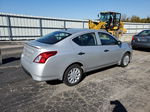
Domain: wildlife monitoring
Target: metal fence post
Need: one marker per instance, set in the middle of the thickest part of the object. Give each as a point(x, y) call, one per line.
point(83, 24)
point(136, 28)
point(0, 57)
point(64, 24)
point(9, 28)
point(41, 32)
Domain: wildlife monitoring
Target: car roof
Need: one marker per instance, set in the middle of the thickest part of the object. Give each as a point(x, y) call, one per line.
point(147, 30)
point(77, 30)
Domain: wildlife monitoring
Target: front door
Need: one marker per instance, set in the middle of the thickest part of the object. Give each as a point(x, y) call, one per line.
point(112, 52)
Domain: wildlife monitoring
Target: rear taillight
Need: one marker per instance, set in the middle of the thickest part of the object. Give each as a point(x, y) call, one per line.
point(41, 58)
point(133, 38)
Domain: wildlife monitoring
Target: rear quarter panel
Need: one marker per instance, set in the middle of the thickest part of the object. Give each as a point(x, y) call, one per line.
point(58, 63)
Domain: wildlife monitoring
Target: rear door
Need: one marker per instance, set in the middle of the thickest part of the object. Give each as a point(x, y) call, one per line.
point(112, 52)
point(86, 49)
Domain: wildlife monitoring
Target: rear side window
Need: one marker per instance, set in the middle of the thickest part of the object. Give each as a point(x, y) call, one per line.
point(107, 39)
point(88, 39)
point(53, 38)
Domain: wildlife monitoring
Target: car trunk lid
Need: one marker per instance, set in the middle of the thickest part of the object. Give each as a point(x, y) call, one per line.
point(32, 49)
point(142, 39)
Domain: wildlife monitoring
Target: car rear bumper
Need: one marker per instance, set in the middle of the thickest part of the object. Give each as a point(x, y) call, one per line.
point(140, 45)
point(37, 71)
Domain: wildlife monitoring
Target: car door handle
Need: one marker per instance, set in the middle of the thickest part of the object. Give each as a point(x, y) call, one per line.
point(81, 53)
point(106, 50)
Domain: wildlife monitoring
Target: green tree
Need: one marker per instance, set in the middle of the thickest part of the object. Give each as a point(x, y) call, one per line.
point(135, 19)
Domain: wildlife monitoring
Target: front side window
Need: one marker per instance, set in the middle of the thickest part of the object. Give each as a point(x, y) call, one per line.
point(107, 39)
point(88, 39)
point(53, 38)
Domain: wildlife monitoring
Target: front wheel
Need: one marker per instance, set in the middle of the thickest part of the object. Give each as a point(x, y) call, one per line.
point(125, 60)
point(73, 75)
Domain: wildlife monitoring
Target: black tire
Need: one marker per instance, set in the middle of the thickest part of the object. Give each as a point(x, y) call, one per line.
point(133, 47)
point(127, 57)
point(67, 73)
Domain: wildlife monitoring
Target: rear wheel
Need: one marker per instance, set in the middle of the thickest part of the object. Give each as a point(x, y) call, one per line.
point(73, 75)
point(125, 60)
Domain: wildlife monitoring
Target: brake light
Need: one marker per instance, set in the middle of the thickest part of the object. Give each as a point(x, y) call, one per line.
point(133, 38)
point(41, 58)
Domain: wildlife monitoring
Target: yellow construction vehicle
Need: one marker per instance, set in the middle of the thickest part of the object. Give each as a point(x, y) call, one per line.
point(109, 21)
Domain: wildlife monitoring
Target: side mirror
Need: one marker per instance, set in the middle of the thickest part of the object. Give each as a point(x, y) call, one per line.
point(119, 42)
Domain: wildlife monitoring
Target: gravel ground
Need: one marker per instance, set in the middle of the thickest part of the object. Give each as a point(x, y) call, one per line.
point(113, 89)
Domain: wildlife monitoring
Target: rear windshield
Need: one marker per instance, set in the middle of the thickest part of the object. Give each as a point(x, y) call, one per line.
point(144, 33)
point(53, 38)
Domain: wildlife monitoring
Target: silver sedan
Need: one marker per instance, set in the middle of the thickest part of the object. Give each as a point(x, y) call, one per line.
point(67, 54)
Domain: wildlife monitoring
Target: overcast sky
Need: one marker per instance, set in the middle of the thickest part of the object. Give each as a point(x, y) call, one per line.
point(75, 9)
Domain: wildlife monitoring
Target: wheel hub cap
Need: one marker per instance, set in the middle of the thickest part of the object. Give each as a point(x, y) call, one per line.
point(126, 60)
point(74, 75)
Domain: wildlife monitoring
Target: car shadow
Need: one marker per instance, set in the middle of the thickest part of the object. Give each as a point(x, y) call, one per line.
point(98, 70)
point(54, 82)
point(10, 59)
point(57, 82)
point(143, 49)
point(118, 106)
